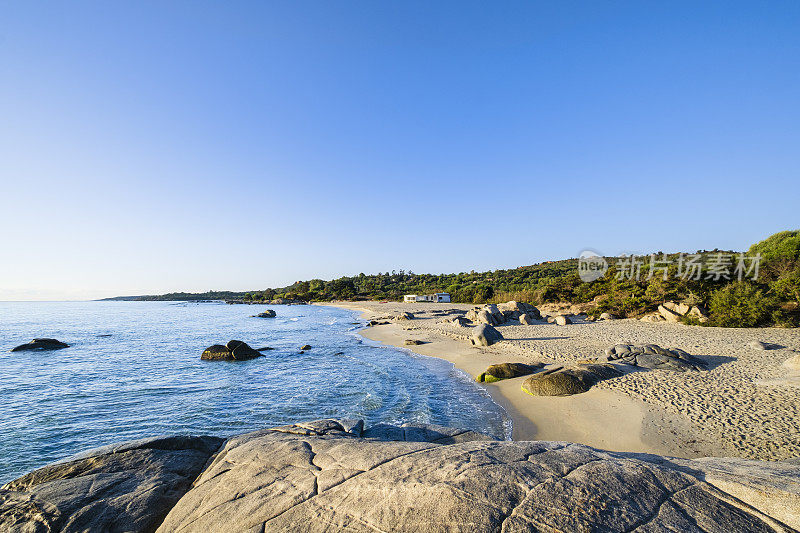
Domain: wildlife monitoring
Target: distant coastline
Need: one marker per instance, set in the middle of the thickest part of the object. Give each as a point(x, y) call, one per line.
point(760, 287)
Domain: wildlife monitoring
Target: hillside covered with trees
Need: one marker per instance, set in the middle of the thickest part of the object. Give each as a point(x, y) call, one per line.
point(738, 289)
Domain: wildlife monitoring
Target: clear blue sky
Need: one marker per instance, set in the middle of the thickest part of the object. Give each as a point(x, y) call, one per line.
point(148, 147)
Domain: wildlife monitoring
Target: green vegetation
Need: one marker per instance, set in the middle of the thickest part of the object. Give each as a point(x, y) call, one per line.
point(739, 305)
point(772, 299)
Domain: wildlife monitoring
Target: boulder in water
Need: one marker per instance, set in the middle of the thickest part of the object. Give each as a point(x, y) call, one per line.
point(233, 351)
point(41, 345)
point(241, 351)
point(269, 313)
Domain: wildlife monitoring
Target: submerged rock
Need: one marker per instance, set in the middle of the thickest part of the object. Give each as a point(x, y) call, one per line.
point(41, 344)
point(332, 475)
point(507, 371)
point(568, 381)
point(233, 351)
point(305, 347)
point(485, 335)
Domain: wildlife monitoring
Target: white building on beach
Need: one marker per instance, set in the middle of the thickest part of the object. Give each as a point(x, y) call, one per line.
point(436, 297)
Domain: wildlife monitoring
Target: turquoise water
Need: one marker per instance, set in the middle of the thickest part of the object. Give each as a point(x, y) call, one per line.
point(147, 378)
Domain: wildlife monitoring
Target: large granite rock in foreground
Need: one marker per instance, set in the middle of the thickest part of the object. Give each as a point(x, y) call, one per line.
point(126, 487)
point(334, 475)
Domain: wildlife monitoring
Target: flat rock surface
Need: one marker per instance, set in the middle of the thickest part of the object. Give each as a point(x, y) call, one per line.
point(337, 475)
point(304, 478)
point(127, 487)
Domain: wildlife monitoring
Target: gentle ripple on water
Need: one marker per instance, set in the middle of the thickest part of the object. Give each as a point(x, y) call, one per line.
point(147, 378)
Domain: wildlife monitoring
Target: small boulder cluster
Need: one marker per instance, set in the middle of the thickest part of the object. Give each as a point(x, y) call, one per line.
point(560, 380)
point(495, 315)
point(652, 356)
point(676, 312)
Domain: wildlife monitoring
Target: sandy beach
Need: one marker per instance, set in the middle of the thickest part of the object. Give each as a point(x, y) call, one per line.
point(747, 404)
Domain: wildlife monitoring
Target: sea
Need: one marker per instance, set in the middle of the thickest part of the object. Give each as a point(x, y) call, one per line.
point(133, 370)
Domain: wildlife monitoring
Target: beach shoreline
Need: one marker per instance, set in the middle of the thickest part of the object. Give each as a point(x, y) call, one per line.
point(637, 413)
